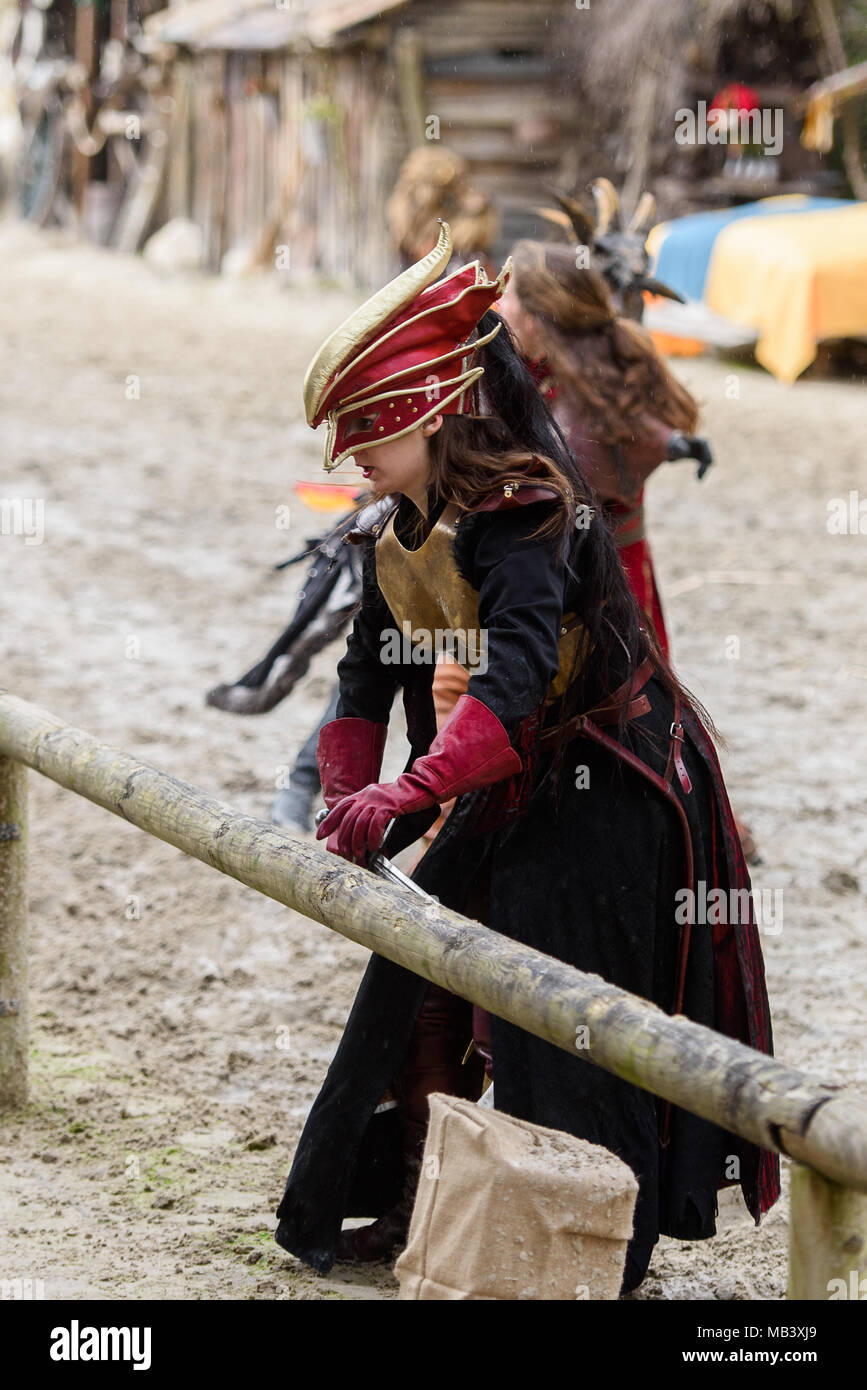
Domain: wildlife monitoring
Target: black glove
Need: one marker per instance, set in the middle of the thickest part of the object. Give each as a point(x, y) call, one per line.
point(690, 446)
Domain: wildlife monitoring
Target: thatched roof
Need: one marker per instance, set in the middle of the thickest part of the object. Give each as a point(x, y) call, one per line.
point(637, 63)
point(619, 39)
point(262, 25)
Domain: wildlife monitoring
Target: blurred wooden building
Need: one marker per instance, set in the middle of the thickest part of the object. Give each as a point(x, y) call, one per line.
point(292, 119)
point(278, 127)
point(639, 63)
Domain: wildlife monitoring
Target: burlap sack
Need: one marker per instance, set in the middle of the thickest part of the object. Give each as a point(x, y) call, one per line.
point(509, 1210)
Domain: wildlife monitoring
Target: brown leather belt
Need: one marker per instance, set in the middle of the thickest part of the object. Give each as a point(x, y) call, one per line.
point(629, 527)
point(627, 696)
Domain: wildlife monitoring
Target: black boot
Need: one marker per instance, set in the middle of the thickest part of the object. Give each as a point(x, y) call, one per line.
point(433, 1063)
point(386, 1236)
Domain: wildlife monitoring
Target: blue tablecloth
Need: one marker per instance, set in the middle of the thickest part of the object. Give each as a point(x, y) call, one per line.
point(686, 244)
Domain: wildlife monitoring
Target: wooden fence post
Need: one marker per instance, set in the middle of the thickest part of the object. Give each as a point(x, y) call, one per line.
point(827, 1239)
point(13, 933)
point(746, 1093)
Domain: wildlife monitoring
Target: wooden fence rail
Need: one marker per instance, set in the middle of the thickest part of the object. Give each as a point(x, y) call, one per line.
point(741, 1090)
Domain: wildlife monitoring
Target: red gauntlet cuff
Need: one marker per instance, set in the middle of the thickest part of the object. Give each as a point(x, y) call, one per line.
point(349, 754)
point(471, 750)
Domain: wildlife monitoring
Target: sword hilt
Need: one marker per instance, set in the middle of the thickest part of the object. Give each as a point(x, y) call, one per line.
point(383, 867)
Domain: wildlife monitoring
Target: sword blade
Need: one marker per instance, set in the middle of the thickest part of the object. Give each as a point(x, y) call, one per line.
point(384, 868)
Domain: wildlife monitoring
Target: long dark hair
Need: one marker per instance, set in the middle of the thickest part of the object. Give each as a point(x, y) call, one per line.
point(607, 364)
point(513, 423)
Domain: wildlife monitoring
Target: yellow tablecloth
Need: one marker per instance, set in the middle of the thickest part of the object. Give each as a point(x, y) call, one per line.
point(795, 280)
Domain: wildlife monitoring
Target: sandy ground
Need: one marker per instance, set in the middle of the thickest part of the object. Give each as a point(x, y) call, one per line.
point(181, 1023)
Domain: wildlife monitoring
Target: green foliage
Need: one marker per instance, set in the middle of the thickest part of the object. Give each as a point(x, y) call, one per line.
point(323, 107)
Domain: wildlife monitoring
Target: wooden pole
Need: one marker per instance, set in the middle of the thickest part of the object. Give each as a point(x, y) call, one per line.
point(13, 934)
point(642, 132)
point(266, 239)
point(827, 1239)
point(178, 172)
point(703, 1071)
point(87, 55)
point(410, 81)
point(833, 40)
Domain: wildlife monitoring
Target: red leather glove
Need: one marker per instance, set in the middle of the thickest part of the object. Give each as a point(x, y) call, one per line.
point(471, 750)
point(349, 754)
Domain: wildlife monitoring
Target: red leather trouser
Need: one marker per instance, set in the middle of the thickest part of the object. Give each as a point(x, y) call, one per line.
point(434, 1061)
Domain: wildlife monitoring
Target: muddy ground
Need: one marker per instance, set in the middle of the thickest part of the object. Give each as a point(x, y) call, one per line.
point(181, 1024)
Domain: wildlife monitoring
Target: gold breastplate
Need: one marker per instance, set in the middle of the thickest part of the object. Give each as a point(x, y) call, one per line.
point(426, 593)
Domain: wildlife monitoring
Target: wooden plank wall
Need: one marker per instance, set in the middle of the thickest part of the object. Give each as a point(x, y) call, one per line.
point(248, 117)
point(351, 162)
point(493, 77)
point(208, 145)
point(489, 74)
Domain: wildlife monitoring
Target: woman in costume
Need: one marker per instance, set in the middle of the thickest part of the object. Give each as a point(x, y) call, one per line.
point(622, 411)
point(588, 792)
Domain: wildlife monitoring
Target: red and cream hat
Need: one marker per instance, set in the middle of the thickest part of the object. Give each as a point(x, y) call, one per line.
point(403, 356)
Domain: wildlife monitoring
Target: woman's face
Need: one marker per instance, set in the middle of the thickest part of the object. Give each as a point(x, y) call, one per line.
point(402, 464)
point(522, 325)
